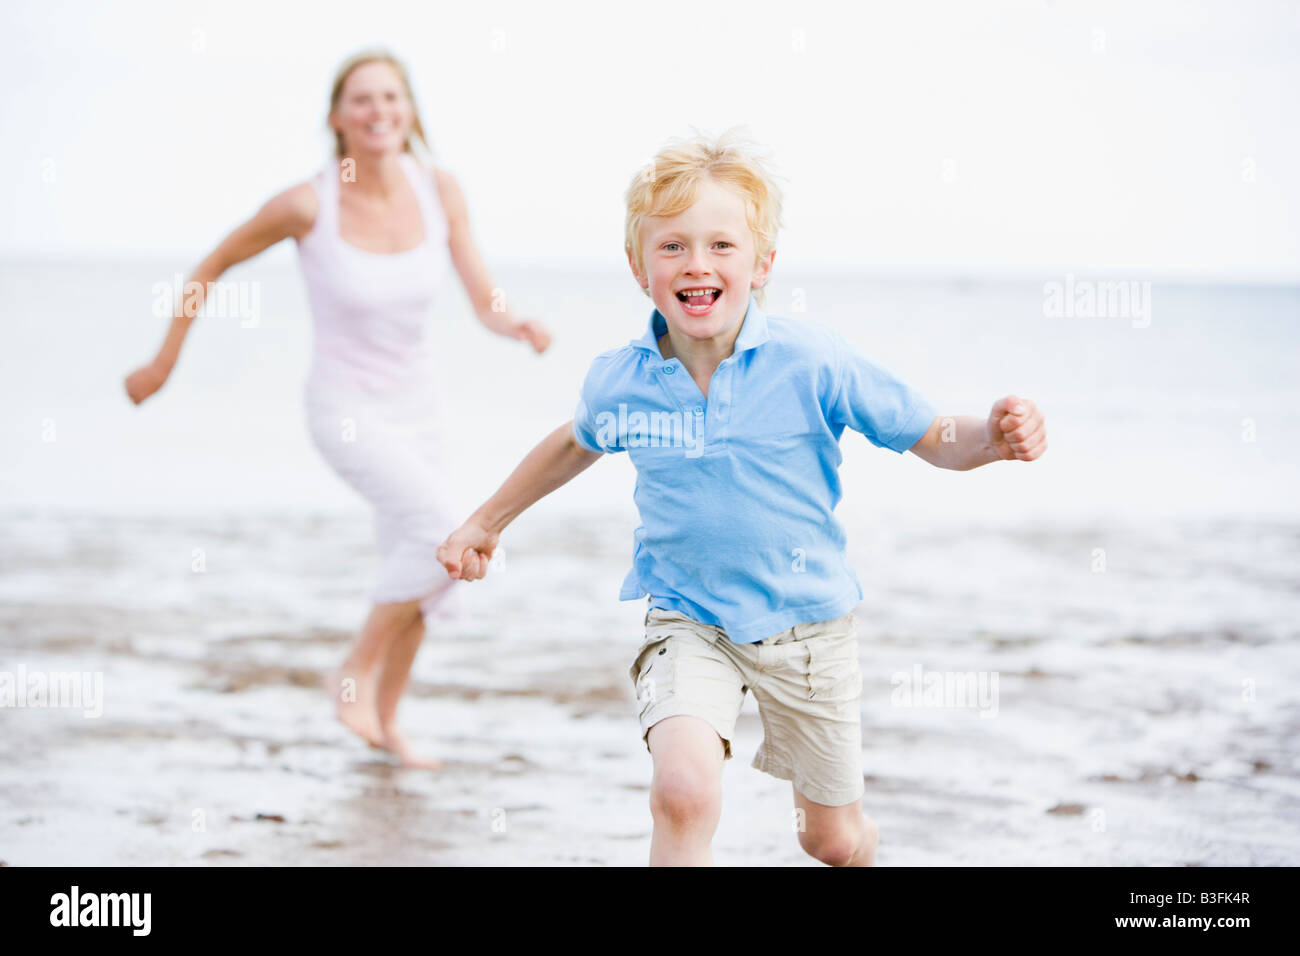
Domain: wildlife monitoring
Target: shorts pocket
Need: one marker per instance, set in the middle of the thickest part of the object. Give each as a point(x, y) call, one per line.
point(652, 671)
point(834, 673)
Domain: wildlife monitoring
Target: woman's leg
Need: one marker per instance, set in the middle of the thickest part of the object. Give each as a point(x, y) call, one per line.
point(397, 471)
point(354, 685)
point(394, 676)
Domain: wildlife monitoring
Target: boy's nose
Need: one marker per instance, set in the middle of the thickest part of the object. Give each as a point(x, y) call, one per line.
point(697, 264)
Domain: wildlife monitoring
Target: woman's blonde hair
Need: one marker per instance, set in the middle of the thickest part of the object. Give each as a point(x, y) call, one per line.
point(670, 184)
point(341, 77)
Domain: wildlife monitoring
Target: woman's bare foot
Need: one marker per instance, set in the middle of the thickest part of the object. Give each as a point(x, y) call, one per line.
point(395, 742)
point(354, 704)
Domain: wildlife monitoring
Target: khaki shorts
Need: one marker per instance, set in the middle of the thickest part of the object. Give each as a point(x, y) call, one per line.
point(806, 680)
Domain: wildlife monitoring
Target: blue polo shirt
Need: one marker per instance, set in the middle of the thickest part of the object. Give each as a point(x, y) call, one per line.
point(736, 492)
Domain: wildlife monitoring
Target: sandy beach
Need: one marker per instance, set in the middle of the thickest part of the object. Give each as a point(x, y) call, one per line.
point(1134, 595)
point(215, 746)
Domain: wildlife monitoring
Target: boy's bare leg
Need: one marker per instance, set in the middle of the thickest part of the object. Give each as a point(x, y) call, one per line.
point(685, 792)
point(838, 836)
point(353, 685)
point(394, 675)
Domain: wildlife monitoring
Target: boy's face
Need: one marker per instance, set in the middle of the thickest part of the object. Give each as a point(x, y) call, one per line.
point(706, 247)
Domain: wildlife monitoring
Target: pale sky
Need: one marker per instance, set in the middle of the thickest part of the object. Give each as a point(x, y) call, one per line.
point(1152, 139)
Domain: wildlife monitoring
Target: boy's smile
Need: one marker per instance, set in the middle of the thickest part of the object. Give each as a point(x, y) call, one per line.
point(700, 268)
point(698, 301)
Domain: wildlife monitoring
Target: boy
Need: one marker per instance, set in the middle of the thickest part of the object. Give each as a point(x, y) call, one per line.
point(732, 420)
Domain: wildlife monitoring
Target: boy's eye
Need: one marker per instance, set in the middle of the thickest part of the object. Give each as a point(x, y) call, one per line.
point(674, 246)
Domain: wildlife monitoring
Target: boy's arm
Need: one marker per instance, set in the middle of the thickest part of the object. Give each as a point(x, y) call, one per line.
point(1014, 429)
point(557, 459)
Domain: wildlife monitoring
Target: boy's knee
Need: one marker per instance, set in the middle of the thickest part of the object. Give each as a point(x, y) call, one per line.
point(832, 849)
point(843, 846)
point(685, 797)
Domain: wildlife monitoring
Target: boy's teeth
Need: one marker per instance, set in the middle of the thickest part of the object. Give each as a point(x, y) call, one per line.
point(699, 298)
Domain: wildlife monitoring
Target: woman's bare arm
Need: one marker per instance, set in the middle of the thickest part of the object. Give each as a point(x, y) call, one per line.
point(291, 213)
point(473, 271)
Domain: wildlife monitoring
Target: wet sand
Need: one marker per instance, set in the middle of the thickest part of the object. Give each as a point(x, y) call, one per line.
point(1122, 736)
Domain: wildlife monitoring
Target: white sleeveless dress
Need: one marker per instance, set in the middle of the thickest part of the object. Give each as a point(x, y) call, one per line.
point(371, 395)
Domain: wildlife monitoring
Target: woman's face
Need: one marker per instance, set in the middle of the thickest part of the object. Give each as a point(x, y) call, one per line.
point(374, 113)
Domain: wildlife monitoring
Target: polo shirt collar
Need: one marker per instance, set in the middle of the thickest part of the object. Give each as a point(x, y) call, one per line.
point(753, 331)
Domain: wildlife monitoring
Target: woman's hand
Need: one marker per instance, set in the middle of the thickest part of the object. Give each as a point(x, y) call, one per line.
point(533, 332)
point(145, 380)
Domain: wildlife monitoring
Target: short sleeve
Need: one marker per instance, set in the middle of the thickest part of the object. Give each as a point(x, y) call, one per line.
point(590, 428)
point(870, 400)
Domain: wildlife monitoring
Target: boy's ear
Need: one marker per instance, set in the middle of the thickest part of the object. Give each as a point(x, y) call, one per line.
point(763, 270)
point(645, 286)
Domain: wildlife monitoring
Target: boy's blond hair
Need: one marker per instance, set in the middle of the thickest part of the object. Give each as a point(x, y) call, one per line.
point(670, 183)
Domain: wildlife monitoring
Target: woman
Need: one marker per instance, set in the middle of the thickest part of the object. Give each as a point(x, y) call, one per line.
point(371, 228)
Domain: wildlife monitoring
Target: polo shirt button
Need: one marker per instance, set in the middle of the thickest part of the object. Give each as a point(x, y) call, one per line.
point(669, 369)
point(699, 409)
